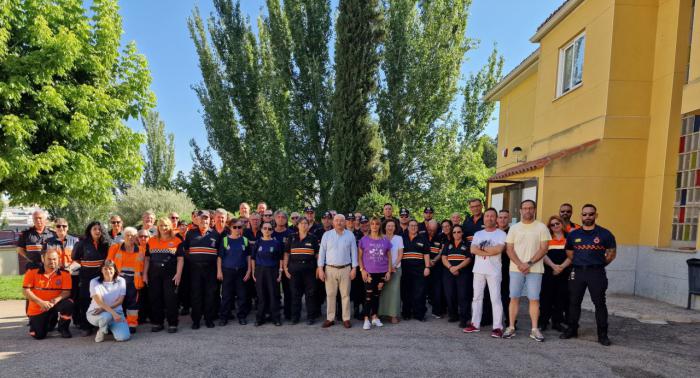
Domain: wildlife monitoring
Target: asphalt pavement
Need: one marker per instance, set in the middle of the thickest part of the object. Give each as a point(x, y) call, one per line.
point(410, 348)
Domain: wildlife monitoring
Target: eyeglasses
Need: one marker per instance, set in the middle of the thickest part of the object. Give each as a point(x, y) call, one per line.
point(236, 227)
point(116, 222)
point(267, 215)
point(61, 226)
point(295, 217)
point(554, 224)
point(267, 228)
point(457, 232)
point(404, 216)
point(587, 214)
point(143, 236)
point(174, 217)
point(565, 211)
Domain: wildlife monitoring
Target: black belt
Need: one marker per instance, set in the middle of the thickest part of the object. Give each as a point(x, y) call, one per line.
point(589, 267)
point(338, 266)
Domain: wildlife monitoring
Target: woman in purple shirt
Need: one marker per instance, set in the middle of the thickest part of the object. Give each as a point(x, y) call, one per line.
point(374, 255)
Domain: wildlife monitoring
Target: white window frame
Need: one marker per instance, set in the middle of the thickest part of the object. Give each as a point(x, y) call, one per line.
point(562, 59)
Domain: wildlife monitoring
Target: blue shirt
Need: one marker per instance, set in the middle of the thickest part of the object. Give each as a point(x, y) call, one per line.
point(234, 255)
point(268, 253)
point(589, 246)
point(338, 249)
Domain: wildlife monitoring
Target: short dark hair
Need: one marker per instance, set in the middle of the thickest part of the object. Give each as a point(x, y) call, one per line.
point(504, 211)
point(565, 204)
point(474, 200)
point(589, 205)
point(491, 209)
point(388, 203)
point(534, 204)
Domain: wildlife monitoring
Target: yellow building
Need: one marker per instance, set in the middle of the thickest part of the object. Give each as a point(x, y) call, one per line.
point(607, 110)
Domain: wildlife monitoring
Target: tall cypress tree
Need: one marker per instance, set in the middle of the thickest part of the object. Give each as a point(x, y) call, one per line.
point(354, 146)
point(160, 152)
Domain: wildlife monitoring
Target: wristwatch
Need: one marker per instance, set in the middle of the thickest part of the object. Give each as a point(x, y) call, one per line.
point(530, 263)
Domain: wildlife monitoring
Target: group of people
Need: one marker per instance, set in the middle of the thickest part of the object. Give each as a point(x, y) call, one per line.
point(473, 271)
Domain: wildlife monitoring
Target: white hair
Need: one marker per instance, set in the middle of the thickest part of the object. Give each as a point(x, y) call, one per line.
point(130, 230)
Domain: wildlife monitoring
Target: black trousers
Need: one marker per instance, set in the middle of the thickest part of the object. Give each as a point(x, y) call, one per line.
point(232, 287)
point(595, 279)
point(163, 294)
point(303, 283)
point(268, 291)
point(436, 290)
point(203, 291)
point(183, 291)
point(505, 291)
point(144, 305)
point(413, 291)
point(75, 296)
point(61, 312)
point(459, 291)
point(554, 297)
point(86, 275)
point(372, 293)
point(286, 297)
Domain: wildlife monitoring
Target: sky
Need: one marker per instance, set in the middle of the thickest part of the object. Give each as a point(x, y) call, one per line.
point(159, 28)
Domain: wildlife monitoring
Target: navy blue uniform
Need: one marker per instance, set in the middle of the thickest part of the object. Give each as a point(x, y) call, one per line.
point(90, 256)
point(34, 243)
point(471, 226)
point(162, 267)
point(436, 292)
point(283, 238)
point(267, 255)
point(201, 250)
point(458, 289)
point(589, 247)
point(412, 278)
point(303, 254)
point(234, 255)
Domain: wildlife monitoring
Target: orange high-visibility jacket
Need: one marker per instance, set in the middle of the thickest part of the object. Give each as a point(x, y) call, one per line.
point(129, 263)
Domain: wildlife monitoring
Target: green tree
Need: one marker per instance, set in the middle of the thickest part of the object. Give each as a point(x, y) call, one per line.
point(138, 199)
point(424, 49)
point(476, 111)
point(354, 150)
point(160, 152)
point(66, 89)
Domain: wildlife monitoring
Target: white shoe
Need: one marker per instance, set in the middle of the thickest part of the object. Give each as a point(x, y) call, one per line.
point(377, 323)
point(367, 325)
point(99, 336)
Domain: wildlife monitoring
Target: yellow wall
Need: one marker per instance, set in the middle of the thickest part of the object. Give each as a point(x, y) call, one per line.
point(516, 121)
point(635, 56)
point(691, 91)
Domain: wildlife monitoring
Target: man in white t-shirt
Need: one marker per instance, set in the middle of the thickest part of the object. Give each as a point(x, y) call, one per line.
point(487, 246)
point(526, 245)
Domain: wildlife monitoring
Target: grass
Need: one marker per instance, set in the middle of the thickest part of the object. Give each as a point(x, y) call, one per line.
point(11, 287)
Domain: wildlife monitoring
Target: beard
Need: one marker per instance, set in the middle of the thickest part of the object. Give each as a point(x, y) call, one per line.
point(588, 222)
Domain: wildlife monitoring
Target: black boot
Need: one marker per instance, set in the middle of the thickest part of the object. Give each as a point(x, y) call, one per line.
point(603, 337)
point(571, 332)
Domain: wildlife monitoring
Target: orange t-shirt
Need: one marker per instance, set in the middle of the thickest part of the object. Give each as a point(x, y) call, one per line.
point(45, 286)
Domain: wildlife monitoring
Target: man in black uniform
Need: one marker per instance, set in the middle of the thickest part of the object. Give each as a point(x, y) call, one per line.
point(436, 293)
point(475, 221)
point(427, 217)
point(415, 265)
point(201, 247)
point(589, 249)
point(33, 240)
point(357, 286)
point(565, 213)
point(503, 222)
point(314, 227)
point(388, 211)
point(404, 218)
point(282, 234)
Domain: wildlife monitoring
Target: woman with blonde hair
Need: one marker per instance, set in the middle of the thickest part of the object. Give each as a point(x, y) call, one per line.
point(162, 274)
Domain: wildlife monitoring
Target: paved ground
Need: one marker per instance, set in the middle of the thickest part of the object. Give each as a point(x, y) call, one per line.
point(434, 348)
point(645, 310)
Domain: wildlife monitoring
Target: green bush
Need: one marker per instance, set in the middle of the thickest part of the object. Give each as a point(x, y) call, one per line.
point(138, 199)
point(372, 203)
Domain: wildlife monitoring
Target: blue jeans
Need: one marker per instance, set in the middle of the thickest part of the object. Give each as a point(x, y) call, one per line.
point(532, 282)
point(104, 320)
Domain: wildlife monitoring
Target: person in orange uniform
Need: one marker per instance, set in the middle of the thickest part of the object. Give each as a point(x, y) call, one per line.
point(163, 273)
point(129, 260)
point(47, 289)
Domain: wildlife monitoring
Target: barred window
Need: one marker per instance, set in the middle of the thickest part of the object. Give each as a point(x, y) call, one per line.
point(687, 206)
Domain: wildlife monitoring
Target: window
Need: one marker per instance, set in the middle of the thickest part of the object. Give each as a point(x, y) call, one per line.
point(571, 65)
point(690, 40)
point(686, 209)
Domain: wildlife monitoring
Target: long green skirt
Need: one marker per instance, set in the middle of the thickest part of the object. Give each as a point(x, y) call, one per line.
point(390, 300)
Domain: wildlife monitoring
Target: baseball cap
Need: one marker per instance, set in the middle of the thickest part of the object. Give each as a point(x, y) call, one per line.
point(327, 214)
point(203, 213)
point(404, 211)
point(350, 216)
point(364, 219)
point(308, 209)
point(428, 210)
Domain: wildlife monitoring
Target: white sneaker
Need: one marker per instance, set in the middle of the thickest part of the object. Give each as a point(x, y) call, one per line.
point(377, 323)
point(367, 325)
point(99, 336)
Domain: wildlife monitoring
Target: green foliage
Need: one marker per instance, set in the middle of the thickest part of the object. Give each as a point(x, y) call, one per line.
point(160, 152)
point(65, 91)
point(372, 203)
point(476, 112)
point(354, 150)
point(489, 148)
point(138, 199)
point(79, 213)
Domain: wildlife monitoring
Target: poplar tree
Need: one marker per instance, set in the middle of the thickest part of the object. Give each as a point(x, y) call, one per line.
point(160, 152)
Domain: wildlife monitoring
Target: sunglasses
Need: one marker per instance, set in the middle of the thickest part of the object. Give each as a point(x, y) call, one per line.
point(116, 222)
point(174, 217)
point(61, 226)
point(554, 224)
point(565, 211)
point(236, 227)
point(404, 216)
point(267, 228)
point(267, 215)
point(143, 236)
point(587, 214)
point(456, 232)
point(295, 217)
